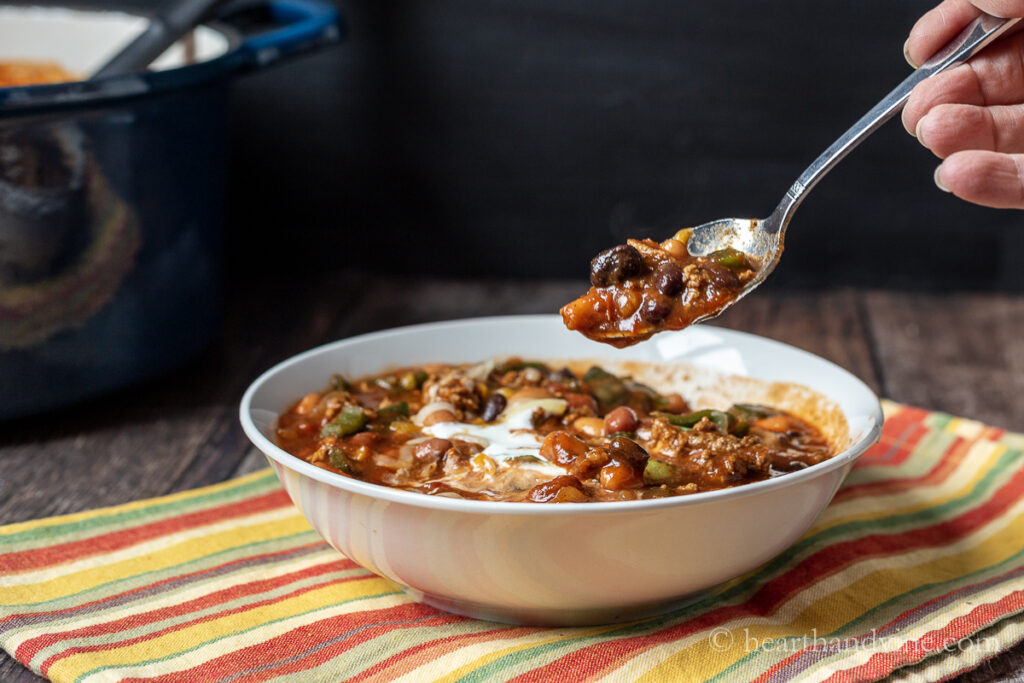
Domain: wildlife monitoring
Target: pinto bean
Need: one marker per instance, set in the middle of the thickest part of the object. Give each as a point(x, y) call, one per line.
point(616, 476)
point(439, 416)
point(675, 248)
point(528, 394)
point(579, 402)
point(622, 419)
point(774, 423)
point(431, 449)
point(589, 427)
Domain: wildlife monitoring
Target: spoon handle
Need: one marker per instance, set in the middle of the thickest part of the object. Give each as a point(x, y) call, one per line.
point(973, 38)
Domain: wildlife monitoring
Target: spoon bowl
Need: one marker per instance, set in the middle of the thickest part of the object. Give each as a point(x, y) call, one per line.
point(760, 239)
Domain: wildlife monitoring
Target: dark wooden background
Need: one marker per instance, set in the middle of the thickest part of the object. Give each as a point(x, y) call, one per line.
point(961, 353)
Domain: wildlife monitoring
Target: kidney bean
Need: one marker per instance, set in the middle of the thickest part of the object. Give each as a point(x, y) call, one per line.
point(368, 439)
point(622, 419)
point(629, 452)
point(495, 404)
point(669, 279)
point(431, 449)
point(676, 404)
point(581, 401)
point(654, 311)
point(722, 277)
point(615, 265)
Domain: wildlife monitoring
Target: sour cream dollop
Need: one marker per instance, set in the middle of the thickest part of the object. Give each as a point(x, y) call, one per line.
point(511, 437)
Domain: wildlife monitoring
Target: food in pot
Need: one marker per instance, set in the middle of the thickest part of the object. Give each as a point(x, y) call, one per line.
point(526, 431)
point(642, 287)
point(26, 72)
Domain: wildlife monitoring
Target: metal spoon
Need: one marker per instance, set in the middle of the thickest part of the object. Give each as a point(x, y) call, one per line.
point(762, 238)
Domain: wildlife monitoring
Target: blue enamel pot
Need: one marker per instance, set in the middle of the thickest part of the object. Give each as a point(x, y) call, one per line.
point(112, 196)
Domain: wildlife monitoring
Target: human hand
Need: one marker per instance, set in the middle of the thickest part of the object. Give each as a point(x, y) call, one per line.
point(972, 116)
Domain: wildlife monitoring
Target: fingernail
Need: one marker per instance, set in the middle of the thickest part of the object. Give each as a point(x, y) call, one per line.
point(938, 180)
point(906, 126)
point(906, 53)
point(917, 128)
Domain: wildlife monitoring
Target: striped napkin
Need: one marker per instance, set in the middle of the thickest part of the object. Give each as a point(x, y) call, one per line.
point(916, 569)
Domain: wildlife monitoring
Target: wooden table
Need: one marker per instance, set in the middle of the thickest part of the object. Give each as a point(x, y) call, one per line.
point(961, 353)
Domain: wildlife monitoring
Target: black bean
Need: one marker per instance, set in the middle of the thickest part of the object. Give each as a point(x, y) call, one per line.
point(615, 265)
point(654, 311)
point(628, 451)
point(495, 404)
point(669, 279)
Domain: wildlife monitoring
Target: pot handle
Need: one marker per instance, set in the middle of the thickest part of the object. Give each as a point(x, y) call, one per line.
point(305, 25)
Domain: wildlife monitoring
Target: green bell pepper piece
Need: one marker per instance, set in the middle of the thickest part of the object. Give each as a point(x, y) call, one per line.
point(349, 421)
point(338, 459)
point(609, 390)
point(411, 381)
point(657, 472)
point(393, 412)
point(724, 422)
point(733, 259)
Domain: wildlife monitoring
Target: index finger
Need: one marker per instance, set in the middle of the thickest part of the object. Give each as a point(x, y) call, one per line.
point(941, 24)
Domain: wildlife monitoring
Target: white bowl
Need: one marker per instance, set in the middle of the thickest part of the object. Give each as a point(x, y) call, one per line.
point(581, 563)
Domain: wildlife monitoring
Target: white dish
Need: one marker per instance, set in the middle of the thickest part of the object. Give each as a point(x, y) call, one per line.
point(558, 564)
